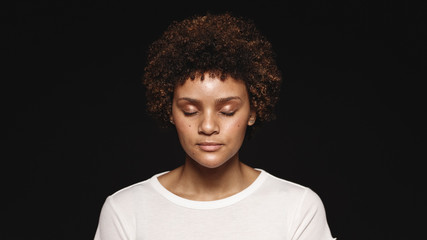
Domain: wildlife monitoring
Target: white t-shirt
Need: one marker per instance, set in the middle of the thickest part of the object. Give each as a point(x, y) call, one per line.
point(269, 209)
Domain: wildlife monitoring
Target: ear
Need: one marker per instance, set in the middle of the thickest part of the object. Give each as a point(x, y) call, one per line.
point(171, 120)
point(252, 118)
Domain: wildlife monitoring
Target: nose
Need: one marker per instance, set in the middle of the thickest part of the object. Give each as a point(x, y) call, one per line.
point(208, 124)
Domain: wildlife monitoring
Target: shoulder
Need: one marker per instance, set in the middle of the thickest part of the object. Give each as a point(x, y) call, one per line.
point(120, 209)
point(285, 187)
point(305, 210)
point(130, 191)
point(292, 193)
point(132, 196)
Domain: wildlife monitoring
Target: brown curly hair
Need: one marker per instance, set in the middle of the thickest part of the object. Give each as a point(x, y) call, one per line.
point(221, 45)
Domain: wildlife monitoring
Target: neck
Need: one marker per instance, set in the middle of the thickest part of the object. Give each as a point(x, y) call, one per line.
point(196, 182)
point(212, 178)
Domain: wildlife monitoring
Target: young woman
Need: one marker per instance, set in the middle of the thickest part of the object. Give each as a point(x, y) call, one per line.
point(213, 78)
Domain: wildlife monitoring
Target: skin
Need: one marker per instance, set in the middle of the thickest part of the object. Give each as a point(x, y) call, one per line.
point(210, 117)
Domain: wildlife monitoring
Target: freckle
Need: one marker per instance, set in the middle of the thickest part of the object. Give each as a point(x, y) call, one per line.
point(189, 125)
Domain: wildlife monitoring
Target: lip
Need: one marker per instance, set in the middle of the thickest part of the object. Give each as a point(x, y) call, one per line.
point(209, 146)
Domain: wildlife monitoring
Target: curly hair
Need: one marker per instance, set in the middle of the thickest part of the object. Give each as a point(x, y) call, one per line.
point(221, 45)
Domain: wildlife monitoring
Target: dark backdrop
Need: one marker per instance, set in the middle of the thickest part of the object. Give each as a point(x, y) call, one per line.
point(350, 123)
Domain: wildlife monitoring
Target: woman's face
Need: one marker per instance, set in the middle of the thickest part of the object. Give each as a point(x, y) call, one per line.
point(211, 117)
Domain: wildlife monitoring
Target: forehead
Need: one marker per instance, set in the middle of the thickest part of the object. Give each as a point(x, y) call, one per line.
point(211, 87)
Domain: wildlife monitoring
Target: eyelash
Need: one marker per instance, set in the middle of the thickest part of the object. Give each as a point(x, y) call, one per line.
point(224, 113)
point(228, 114)
point(189, 113)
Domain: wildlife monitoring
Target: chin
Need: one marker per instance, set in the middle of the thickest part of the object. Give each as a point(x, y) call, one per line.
point(210, 161)
point(209, 164)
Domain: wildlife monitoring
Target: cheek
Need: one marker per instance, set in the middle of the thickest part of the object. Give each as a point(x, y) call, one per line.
point(237, 127)
point(183, 127)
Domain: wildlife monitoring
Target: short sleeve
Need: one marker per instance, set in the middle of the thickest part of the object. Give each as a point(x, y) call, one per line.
point(111, 226)
point(310, 221)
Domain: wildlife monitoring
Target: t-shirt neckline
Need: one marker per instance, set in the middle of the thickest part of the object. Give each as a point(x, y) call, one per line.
point(224, 202)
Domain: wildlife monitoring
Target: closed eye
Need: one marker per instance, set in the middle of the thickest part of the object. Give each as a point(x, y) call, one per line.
point(189, 113)
point(229, 114)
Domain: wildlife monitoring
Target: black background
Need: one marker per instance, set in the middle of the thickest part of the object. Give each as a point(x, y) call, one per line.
point(351, 118)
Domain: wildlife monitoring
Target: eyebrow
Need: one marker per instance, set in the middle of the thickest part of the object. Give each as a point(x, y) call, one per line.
point(217, 101)
point(224, 100)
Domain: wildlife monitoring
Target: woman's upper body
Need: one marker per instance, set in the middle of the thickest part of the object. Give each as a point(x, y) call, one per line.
point(269, 208)
point(213, 78)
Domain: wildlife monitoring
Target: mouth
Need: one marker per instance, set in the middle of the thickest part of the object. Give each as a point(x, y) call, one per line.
point(209, 146)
